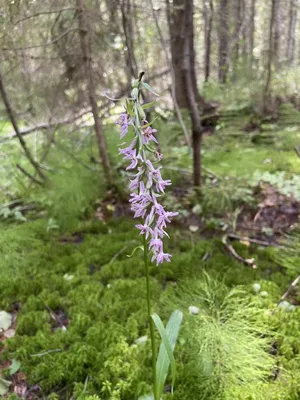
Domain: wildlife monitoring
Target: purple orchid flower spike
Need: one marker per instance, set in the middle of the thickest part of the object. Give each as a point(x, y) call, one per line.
point(147, 184)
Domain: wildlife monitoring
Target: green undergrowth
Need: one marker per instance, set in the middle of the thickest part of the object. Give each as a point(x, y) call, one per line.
point(81, 312)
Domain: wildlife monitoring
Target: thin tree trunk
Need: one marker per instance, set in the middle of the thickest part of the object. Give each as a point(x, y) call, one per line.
point(251, 33)
point(237, 30)
point(197, 129)
point(277, 32)
point(176, 18)
point(208, 20)
point(270, 54)
point(131, 64)
point(292, 30)
point(87, 61)
point(223, 40)
point(169, 62)
point(13, 121)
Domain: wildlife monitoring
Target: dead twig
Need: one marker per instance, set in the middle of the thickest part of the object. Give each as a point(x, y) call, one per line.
point(46, 352)
point(291, 287)
point(255, 241)
point(246, 261)
point(56, 317)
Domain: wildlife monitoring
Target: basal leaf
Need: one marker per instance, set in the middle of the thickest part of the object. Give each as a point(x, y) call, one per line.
point(165, 355)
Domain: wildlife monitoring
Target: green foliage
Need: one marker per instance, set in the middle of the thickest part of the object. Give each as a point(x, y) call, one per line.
point(225, 197)
point(70, 197)
point(287, 185)
point(227, 341)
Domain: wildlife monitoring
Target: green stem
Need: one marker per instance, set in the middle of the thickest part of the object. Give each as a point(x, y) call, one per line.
point(151, 323)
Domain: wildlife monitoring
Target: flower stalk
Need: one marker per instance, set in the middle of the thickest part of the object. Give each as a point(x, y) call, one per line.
point(146, 187)
point(151, 323)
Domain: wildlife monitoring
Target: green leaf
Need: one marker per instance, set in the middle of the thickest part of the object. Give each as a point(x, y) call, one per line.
point(148, 87)
point(4, 386)
point(14, 367)
point(165, 355)
point(149, 123)
point(135, 249)
point(149, 105)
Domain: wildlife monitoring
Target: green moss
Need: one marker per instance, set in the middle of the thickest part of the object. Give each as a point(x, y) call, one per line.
point(104, 308)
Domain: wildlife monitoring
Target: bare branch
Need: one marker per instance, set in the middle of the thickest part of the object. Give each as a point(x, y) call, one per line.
point(44, 13)
point(26, 173)
point(42, 44)
point(13, 121)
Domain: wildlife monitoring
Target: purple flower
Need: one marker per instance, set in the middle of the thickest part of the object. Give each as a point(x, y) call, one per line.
point(161, 257)
point(145, 230)
point(146, 187)
point(147, 135)
point(124, 122)
point(131, 155)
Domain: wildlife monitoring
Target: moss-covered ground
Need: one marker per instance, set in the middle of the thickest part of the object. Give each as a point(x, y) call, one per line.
point(79, 300)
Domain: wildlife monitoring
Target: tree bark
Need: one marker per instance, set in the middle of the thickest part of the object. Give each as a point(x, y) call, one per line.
point(197, 128)
point(131, 64)
point(176, 25)
point(176, 19)
point(87, 61)
point(237, 30)
point(251, 33)
point(13, 121)
point(223, 40)
point(292, 30)
point(208, 9)
point(277, 32)
point(270, 54)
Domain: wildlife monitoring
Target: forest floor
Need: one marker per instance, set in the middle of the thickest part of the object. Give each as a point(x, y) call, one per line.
point(74, 317)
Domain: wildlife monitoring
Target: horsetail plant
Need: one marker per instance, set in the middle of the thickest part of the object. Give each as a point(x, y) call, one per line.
point(146, 187)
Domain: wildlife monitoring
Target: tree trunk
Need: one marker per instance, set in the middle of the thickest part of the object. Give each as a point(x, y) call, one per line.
point(277, 32)
point(251, 33)
point(176, 19)
point(188, 59)
point(208, 10)
point(292, 31)
point(270, 54)
point(223, 40)
point(237, 30)
point(131, 64)
point(13, 121)
point(87, 61)
point(176, 24)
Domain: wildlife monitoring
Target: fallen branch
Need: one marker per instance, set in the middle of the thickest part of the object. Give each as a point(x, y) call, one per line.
point(291, 287)
point(246, 261)
point(255, 241)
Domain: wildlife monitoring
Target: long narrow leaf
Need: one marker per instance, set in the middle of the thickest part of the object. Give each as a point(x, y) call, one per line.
point(148, 87)
point(169, 338)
